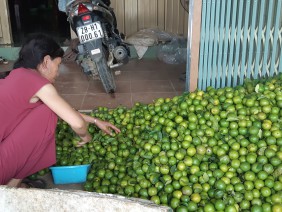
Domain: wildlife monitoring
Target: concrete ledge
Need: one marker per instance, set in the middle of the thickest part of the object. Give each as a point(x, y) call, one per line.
point(26, 200)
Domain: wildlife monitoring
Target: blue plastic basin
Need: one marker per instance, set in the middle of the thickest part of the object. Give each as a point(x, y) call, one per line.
point(70, 174)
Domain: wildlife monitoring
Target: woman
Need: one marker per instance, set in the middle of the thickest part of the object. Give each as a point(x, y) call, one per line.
point(29, 106)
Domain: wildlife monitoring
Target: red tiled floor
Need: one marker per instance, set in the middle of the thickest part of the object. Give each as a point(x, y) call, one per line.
point(151, 86)
point(138, 81)
point(96, 87)
point(92, 101)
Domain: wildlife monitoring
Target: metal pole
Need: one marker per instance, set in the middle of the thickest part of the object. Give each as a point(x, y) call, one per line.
point(189, 44)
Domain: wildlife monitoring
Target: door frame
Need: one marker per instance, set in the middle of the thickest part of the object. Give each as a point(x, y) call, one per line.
point(5, 24)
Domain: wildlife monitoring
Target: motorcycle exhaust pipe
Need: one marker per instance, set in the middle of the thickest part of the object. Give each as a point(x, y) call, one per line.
point(120, 53)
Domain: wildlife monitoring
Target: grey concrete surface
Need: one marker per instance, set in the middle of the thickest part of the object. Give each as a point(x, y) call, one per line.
point(55, 200)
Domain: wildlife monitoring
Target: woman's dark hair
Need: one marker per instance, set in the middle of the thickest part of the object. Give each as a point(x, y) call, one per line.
point(35, 48)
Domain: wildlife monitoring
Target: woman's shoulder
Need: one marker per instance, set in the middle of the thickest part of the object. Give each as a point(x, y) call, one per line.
point(22, 71)
point(26, 72)
point(27, 77)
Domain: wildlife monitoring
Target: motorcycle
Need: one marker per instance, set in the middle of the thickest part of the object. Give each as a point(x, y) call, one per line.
point(101, 43)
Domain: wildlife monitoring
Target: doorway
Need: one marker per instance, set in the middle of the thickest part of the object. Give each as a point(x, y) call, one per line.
point(32, 16)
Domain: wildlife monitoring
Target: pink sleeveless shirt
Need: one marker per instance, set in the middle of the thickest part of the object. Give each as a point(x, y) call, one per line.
point(16, 90)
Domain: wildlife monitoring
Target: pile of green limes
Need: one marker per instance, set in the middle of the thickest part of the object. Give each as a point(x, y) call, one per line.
point(218, 150)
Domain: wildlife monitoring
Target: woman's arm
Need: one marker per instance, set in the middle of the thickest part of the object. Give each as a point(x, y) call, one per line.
point(78, 121)
point(49, 95)
point(103, 125)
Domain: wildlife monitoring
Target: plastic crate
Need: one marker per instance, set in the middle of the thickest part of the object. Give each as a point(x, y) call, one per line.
point(70, 174)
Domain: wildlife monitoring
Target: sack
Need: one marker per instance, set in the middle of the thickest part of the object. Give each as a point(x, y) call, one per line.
point(174, 52)
point(71, 52)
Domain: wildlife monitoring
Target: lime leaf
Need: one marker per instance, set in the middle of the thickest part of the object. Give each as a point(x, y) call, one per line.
point(277, 172)
point(261, 151)
point(260, 133)
point(173, 169)
point(232, 119)
point(206, 177)
point(257, 88)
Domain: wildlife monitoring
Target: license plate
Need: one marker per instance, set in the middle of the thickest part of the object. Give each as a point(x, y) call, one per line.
point(90, 32)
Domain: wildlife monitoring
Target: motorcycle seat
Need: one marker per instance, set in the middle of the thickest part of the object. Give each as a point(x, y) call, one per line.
point(80, 1)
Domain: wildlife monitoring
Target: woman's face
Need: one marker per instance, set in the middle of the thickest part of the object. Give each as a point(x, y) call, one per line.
point(50, 68)
point(54, 68)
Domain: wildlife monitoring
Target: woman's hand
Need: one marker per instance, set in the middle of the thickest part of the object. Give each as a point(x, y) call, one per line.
point(105, 126)
point(84, 140)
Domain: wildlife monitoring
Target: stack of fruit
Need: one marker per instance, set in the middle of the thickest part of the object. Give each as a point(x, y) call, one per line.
point(218, 150)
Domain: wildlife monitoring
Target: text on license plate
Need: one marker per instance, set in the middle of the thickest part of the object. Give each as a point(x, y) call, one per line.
point(90, 32)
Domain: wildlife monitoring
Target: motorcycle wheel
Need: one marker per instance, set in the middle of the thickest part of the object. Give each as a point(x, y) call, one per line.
point(106, 75)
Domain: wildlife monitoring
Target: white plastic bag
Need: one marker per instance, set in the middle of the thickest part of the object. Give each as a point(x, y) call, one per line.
point(174, 52)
